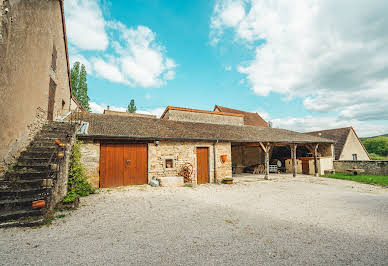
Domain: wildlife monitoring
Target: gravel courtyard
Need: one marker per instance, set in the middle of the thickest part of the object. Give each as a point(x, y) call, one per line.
point(303, 220)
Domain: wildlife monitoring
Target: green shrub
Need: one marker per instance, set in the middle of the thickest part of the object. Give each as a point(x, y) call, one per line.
point(78, 184)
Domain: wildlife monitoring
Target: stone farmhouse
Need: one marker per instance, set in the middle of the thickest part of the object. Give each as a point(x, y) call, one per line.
point(35, 74)
point(123, 150)
point(348, 145)
point(35, 92)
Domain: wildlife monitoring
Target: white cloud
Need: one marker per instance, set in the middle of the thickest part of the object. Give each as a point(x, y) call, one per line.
point(157, 111)
point(108, 71)
point(310, 123)
point(99, 108)
point(85, 24)
point(141, 59)
point(334, 53)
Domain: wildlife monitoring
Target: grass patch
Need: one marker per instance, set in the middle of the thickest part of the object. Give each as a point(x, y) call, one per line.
point(368, 179)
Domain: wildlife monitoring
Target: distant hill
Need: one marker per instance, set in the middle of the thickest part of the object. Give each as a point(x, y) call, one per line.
point(385, 135)
point(377, 147)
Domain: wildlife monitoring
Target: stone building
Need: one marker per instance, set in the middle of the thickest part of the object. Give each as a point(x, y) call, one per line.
point(34, 72)
point(124, 150)
point(347, 146)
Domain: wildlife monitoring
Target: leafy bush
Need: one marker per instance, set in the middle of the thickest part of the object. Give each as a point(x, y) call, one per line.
point(377, 145)
point(78, 184)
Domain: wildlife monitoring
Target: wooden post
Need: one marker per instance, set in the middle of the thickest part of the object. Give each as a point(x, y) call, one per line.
point(266, 149)
point(315, 151)
point(293, 157)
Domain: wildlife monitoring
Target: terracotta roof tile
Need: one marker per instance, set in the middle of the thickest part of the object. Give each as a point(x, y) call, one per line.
point(251, 119)
point(112, 126)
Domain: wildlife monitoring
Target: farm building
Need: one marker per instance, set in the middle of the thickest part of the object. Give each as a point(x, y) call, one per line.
point(123, 150)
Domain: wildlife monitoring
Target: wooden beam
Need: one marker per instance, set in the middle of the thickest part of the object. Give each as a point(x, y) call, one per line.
point(266, 149)
point(315, 152)
point(263, 147)
point(293, 157)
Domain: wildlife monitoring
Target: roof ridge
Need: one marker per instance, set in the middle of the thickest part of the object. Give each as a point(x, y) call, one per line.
point(316, 131)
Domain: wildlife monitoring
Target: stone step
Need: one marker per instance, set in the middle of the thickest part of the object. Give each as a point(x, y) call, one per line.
point(47, 142)
point(33, 166)
point(20, 184)
point(17, 214)
point(24, 222)
point(28, 160)
point(36, 154)
point(27, 175)
point(21, 193)
point(19, 204)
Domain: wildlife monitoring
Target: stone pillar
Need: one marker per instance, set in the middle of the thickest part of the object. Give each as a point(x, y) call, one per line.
point(293, 157)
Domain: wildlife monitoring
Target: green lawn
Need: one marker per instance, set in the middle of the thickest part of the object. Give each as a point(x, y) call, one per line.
point(369, 179)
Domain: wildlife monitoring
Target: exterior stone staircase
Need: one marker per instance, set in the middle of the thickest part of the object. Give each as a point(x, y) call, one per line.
point(35, 177)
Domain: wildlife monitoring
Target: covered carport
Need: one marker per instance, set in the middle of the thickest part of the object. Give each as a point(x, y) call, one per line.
point(263, 156)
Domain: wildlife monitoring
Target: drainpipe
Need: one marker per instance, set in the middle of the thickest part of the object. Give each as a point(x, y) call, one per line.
point(215, 161)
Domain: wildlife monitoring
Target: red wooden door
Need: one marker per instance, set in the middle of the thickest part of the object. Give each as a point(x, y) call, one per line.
point(202, 165)
point(51, 100)
point(305, 167)
point(123, 165)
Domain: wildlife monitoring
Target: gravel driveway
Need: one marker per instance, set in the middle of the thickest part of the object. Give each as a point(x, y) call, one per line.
point(285, 220)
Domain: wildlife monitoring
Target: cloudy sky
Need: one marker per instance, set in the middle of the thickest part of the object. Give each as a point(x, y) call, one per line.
point(304, 65)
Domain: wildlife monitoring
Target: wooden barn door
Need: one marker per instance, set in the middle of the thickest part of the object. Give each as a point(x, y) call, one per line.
point(51, 100)
point(123, 165)
point(202, 165)
point(305, 167)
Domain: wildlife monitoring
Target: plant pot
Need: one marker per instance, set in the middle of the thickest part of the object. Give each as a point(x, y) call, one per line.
point(228, 181)
point(223, 158)
point(57, 141)
point(38, 204)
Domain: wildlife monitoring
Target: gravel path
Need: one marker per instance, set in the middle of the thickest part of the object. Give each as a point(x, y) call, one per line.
point(282, 221)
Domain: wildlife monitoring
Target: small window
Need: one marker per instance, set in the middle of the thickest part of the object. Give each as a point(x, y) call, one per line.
point(54, 59)
point(169, 163)
point(354, 157)
point(63, 103)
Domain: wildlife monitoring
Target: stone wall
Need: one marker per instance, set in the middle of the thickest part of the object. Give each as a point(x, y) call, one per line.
point(243, 156)
point(179, 152)
point(370, 167)
point(28, 33)
point(183, 152)
point(201, 117)
point(90, 159)
point(324, 163)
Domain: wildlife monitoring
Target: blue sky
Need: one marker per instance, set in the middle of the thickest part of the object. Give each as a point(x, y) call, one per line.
point(244, 54)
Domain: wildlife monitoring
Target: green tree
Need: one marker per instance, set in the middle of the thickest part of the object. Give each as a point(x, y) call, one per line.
point(79, 84)
point(377, 145)
point(132, 107)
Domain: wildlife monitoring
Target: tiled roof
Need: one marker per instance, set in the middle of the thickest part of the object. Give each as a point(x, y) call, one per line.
point(251, 119)
point(114, 126)
point(339, 135)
